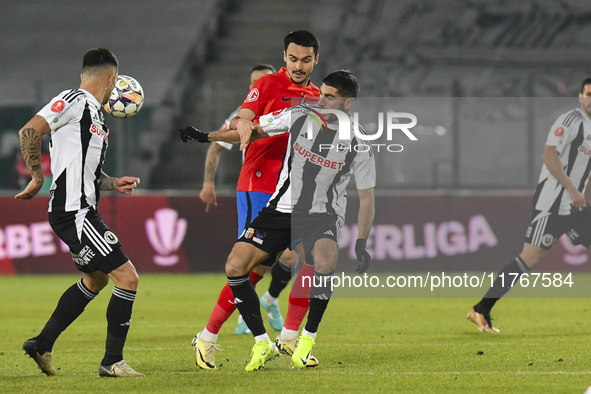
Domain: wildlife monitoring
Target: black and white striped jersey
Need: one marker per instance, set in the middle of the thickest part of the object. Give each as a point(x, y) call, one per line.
point(571, 135)
point(318, 164)
point(79, 139)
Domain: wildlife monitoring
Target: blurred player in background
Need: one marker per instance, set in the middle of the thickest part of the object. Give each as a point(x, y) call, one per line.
point(308, 204)
point(258, 178)
point(208, 195)
point(559, 205)
point(246, 210)
point(79, 139)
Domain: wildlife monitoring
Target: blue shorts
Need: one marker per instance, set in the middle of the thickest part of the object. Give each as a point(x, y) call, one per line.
point(249, 205)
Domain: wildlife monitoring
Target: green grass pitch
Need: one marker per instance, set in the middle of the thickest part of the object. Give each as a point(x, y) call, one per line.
point(364, 345)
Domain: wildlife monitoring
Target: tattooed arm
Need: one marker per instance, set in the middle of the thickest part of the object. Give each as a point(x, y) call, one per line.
point(30, 136)
point(106, 182)
point(125, 184)
point(212, 159)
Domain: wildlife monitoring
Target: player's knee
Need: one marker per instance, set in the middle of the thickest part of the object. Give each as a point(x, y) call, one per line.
point(232, 269)
point(234, 266)
point(96, 284)
point(286, 256)
point(128, 279)
point(532, 258)
point(133, 281)
point(324, 266)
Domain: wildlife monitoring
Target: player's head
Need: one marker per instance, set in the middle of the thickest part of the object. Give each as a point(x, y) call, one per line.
point(338, 91)
point(100, 66)
point(301, 55)
point(260, 70)
point(585, 96)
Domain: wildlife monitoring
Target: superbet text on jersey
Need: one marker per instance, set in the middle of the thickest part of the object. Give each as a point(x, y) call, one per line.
point(316, 179)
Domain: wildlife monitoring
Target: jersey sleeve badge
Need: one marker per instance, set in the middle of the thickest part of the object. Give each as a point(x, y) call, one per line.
point(58, 106)
point(253, 95)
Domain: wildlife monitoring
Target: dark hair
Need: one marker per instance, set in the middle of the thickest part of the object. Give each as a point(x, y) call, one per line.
point(99, 57)
point(586, 81)
point(263, 66)
point(344, 81)
point(302, 38)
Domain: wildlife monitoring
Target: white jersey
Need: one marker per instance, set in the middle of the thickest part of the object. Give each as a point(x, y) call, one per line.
point(571, 135)
point(79, 139)
point(317, 170)
point(226, 126)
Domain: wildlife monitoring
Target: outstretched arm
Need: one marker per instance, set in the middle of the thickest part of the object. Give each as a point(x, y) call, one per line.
point(30, 136)
point(231, 136)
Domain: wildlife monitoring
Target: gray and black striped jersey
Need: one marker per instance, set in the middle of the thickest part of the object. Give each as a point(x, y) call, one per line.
point(318, 164)
point(79, 139)
point(571, 135)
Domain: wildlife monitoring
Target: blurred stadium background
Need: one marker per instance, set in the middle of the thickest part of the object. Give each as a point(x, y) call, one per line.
point(500, 72)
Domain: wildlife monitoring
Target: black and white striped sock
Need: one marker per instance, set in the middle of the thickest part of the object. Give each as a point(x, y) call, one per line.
point(118, 322)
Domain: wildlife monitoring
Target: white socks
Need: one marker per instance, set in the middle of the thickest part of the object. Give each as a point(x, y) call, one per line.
point(288, 335)
point(208, 336)
point(311, 334)
point(268, 299)
point(264, 338)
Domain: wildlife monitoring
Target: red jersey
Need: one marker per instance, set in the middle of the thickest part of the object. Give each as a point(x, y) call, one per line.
point(263, 158)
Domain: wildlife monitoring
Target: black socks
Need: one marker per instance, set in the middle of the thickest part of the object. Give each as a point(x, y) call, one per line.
point(501, 285)
point(247, 302)
point(281, 273)
point(69, 307)
point(320, 294)
point(118, 322)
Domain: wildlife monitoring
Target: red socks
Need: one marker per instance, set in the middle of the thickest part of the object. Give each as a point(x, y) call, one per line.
point(299, 298)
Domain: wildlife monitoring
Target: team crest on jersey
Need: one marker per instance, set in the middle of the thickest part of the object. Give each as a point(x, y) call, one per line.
point(249, 233)
point(111, 238)
point(253, 95)
point(559, 132)
point(547, 240)
point(58, 106)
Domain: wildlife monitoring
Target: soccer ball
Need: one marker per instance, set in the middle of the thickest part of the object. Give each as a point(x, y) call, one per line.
point(126, 98)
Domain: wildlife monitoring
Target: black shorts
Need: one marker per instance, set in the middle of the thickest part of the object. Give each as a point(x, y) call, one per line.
point(310, 228)
point(93, 245)
point(546, 228)
point(270, 232)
